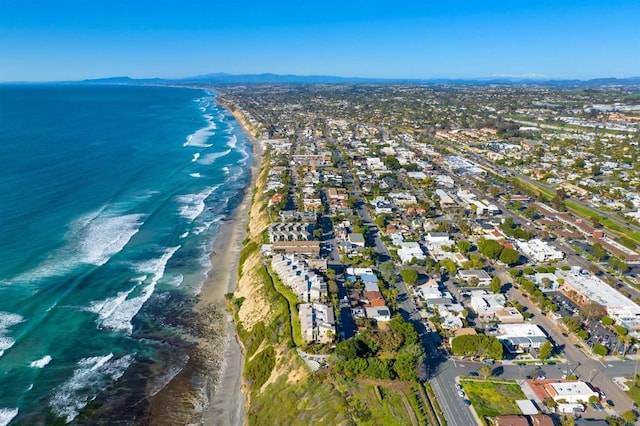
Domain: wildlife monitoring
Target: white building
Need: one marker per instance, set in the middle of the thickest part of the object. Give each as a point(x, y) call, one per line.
point(518, 338)
point(539, 279)
point(317, 322)
point(583, 288)
point(410, 250)
point(379, 313)
point(295, 274)
point(539, 251)
point(483, 278)
point(572, 392)
point(486, 304)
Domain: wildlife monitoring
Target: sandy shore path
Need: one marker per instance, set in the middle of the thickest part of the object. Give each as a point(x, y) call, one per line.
point(227, 402)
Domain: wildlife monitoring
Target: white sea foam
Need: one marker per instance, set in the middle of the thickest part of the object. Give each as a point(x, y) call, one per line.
point(206, 225)
point(6, 415)
point(175, 280)
point(116, 313)
point(192, 205)
point(42, 362)
point(7, 320)
point(200, 136)
point(91, 376)
point(195, 157)
point(209, 159)
point(106, 236)
point(199, 230)
point(232, 142)
point(92, 239)
point(225, 169)
point(195, 175)
point(184, 235)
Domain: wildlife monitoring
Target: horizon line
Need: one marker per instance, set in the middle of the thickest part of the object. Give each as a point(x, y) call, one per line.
point(524, 77)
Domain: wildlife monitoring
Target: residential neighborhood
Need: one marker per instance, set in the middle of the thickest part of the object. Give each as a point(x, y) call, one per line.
point(500, 222)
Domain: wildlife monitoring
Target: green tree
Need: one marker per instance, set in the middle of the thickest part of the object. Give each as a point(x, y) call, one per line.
point(496, 285)
point(600, 350)
point(474, 262)
point(593, 311)
point(509, 256)
point(530, 212)
point(409, 276)
point(464, 246)
point(490, 248)
point(598, 252)
point(391, 162)
point(606, 321)
point(478, 345)
point(450, 267)
point(378, 368)
point(630, 416)
point(545, 350)
point(381, 220)
point(485, 371)
point(572, 324)
point(388, 271)
point(621, 330)
point(352, 348)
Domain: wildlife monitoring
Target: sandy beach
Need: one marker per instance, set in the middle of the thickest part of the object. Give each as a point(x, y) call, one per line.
point(216, 362)
point(227, 402)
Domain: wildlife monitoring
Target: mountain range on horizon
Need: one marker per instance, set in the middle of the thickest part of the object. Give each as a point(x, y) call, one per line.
point(271, 78)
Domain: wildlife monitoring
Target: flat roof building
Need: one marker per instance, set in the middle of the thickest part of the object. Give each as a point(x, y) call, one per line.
point(572, 392)
point(518, 338)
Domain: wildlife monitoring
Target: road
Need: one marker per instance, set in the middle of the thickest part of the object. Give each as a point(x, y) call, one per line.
point(581, 203)
point(443, 385)
point(347, 326)
point(584, 365)
point(440, 372)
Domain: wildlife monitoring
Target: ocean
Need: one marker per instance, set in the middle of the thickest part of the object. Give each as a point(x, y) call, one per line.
point(110, 200)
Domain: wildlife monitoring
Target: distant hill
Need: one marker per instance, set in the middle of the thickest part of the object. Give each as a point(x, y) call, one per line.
point(269, 78)
point(122, 80)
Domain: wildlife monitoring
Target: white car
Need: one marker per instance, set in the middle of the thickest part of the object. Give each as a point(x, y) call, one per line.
point(461, 394)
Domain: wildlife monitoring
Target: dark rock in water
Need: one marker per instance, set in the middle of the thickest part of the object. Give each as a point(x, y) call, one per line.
point(172, 384)
point(169, 327)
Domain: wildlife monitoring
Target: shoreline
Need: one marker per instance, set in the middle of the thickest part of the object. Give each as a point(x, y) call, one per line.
point(209, 389)
point(226, 404)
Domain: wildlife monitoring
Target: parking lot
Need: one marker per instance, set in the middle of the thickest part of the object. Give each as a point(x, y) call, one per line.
point(598, 334)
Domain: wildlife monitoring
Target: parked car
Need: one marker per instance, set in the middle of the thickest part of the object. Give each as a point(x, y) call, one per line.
point(467, 402)
point(458, 386)
point(461, 394)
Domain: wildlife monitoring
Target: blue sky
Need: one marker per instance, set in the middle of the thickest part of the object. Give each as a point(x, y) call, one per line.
point(49, 40)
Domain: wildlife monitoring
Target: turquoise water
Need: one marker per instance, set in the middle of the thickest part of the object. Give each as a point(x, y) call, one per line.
point(110, 198)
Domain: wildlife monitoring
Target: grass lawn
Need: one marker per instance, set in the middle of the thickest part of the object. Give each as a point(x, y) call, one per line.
point(493, 398)
point(634, 392)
